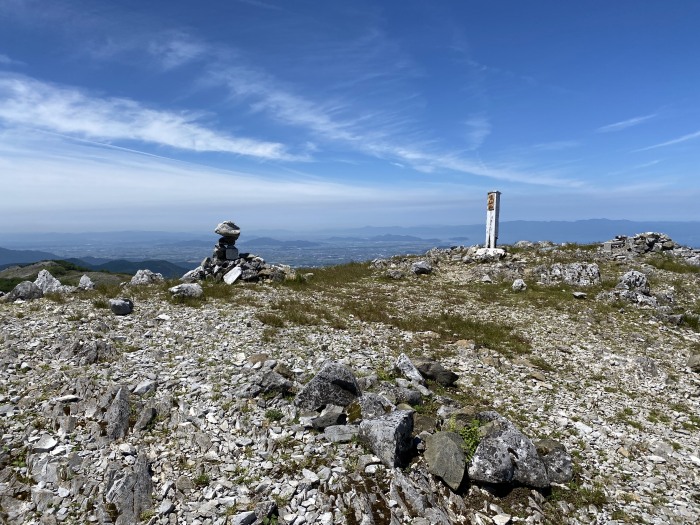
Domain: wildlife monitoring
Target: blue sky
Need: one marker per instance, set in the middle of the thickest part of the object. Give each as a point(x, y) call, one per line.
point(306, 114)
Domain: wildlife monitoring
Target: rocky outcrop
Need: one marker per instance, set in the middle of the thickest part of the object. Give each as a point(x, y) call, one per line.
point(25, 291)
point(145, 277)
point(575, 274)
point(49, 284)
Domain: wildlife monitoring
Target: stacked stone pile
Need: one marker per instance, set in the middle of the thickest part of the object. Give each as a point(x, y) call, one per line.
point(649, 242)
point(227, 264)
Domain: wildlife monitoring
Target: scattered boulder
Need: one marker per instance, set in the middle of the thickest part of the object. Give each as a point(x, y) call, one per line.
point(694, 363)
point(485, 255)
point(434, 371)
point(146, 277)
point(506, 455)
point(408, 369)
point(49, 284)
point(389, 437)
point(121, 306)
point(370, 406)
point(421, 268)
point(186, 290)
point(394, 273)
point(445, 458)
point(25, 291)
point(86, 283)
point(519, 285)
point(335, 384)
point(87, 352)
point(634, 281)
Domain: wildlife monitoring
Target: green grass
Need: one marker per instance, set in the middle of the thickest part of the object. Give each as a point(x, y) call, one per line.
point(672, 264)
point(330, 276)
point(8, 284)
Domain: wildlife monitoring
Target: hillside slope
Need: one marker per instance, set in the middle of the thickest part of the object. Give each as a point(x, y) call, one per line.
point(189, 410)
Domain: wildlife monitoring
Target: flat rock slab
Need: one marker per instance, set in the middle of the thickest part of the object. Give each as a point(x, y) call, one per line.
point(445, 458)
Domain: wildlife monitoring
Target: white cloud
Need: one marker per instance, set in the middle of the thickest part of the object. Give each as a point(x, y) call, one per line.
point(370, 134)
point(684, 138)
point(177, 51)
point(624, 124)
point(30, 103)
point(70, 181)
point(479, 128)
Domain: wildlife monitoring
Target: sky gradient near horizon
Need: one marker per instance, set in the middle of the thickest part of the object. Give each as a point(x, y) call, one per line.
point(304, 114)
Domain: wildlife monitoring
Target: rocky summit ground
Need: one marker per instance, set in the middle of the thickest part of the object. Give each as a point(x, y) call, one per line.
point(199, 410)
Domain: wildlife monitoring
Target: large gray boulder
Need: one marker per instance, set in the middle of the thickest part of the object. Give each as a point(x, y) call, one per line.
point(335, 384)
point(389, 437)
point(445, 457)
point(506, 455)
point(146, 277)
point(694, 362)
point(121, 306)
point(26, 291)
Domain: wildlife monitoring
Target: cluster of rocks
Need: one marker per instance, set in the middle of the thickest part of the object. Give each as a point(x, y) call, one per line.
point(575, 274)
point(228, 265)
point(398, 269)
point(623, 246)
point(43, 284)
point(640, 243)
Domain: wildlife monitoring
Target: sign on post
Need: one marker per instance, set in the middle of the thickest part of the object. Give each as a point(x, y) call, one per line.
point(493, 203)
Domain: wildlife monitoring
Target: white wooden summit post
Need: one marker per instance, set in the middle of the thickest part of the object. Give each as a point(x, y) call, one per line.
point(493, 203)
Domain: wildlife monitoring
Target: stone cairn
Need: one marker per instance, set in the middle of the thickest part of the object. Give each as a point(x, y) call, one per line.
point(229, 265)
point(622, 247)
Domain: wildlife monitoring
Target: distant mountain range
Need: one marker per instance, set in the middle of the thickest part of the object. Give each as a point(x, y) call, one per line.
point(168, 269)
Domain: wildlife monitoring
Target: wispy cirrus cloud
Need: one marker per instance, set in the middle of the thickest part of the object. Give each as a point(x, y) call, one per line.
point(377, 134)
point(478, 128)
point(7, 61)
point(624, 124)
point(34, 104)
point(679, 140)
